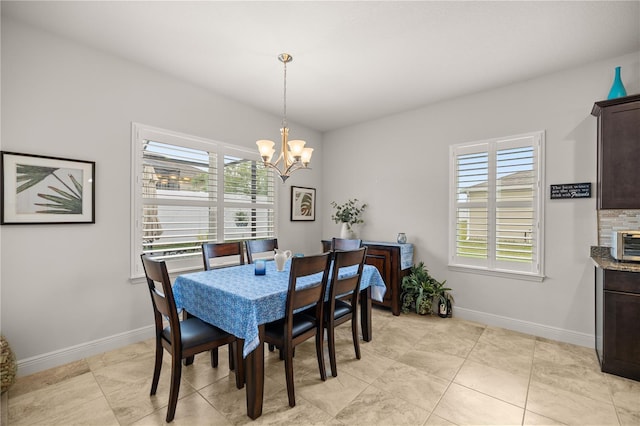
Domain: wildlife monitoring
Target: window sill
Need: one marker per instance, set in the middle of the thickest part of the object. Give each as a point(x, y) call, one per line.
point(497, 273)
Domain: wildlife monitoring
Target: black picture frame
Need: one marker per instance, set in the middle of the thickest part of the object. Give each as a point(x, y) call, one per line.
point(303, 204)
point(38, 189)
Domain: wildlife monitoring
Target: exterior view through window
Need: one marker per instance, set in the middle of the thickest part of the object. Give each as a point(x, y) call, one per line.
point(190, 191)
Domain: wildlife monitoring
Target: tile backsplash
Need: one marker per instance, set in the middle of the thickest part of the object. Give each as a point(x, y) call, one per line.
point(616, 220)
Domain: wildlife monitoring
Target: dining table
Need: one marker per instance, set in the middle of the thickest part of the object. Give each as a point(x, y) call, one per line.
point(240, 302)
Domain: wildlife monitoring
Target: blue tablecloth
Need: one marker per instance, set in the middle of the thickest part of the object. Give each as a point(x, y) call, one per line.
point(238, 301)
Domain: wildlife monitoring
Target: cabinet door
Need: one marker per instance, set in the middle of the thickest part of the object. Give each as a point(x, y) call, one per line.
point(619, 157)
point(381, 259)
point(622, 334)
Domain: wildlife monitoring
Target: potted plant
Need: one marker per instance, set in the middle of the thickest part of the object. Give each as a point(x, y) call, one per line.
point(241, 218)
point(349, 214)
point(420, 290)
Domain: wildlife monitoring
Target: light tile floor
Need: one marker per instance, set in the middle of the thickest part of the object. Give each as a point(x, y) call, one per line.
point(416, 371)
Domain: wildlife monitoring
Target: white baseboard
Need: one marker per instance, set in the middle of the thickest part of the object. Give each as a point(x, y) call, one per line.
point(75, 353)
point(535, 329)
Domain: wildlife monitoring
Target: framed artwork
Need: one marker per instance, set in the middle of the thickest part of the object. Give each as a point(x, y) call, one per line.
point(43, 190)
point(303, 203)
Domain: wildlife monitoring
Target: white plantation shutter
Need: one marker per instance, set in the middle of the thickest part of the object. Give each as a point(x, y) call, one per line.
point(187, 191)
point(178, 198)
point(496, 208)
point(472, 204)
point(249, 199)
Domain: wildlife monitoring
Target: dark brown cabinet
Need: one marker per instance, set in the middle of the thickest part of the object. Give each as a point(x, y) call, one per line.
point(387, 258)
point(617, 322)
point(618, 152)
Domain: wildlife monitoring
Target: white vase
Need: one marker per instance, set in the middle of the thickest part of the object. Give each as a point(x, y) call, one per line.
point(344, 231)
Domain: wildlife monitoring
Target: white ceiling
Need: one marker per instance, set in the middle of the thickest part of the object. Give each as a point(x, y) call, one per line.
point(353, 61)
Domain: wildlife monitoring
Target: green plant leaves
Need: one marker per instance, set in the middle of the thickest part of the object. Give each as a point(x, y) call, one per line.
point(31, 175)
point(306, 205)
point(348, 212)
point(65, 202)
point(420, 290)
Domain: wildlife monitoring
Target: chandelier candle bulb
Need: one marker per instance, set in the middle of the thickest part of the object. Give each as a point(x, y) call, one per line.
point(266, 149)
point(306, 156)
point(296, 146)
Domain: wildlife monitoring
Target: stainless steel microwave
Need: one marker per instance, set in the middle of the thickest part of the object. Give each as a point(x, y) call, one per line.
point(625, 245)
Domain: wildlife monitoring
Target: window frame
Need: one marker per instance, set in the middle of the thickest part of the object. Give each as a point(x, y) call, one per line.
point(141, 132)
point(491, 266)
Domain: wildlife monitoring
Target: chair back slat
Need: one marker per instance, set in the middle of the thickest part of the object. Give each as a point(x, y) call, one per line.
point(260, 246)
point(345, 285)
point(302, 267)
point(345, 244)
point(216, 250)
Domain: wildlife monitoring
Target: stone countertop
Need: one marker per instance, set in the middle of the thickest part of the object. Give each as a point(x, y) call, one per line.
point(601, 257)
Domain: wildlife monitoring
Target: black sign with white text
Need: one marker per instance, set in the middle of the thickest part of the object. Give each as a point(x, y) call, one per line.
point(571, 190)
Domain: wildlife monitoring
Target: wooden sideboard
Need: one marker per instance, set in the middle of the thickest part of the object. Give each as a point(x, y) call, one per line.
point(387, 258)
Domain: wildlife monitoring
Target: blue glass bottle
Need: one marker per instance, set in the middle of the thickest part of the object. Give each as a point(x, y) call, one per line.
point(617, 90)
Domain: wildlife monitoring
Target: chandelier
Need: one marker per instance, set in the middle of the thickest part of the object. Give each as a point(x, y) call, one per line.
point(293, 155)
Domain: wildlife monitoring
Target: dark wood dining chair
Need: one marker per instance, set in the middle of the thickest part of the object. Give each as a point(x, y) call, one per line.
point(345, 244)
point(182, 339)
point(217, 250)
point(260, 246)
point(296, 328)
point(340, 309)
point(225, 250)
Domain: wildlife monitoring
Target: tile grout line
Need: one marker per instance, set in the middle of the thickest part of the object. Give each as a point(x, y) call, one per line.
point(104, 395)
point(466, 358)
point(526, 396)
point(613, 400)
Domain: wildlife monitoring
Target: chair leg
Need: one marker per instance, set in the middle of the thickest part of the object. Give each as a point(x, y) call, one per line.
point(331, 338)
point(288, 368)
point(176, 373)
point(320, 354)
point(356, 337)
point(232, 348)
point(188, 360)
point(157, 367)
point(214, 358)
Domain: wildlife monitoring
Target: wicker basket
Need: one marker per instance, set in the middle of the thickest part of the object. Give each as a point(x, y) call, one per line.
point(8, 365)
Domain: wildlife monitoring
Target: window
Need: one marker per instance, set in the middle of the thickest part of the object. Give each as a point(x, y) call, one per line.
point(188, 190)
point(496, 206)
